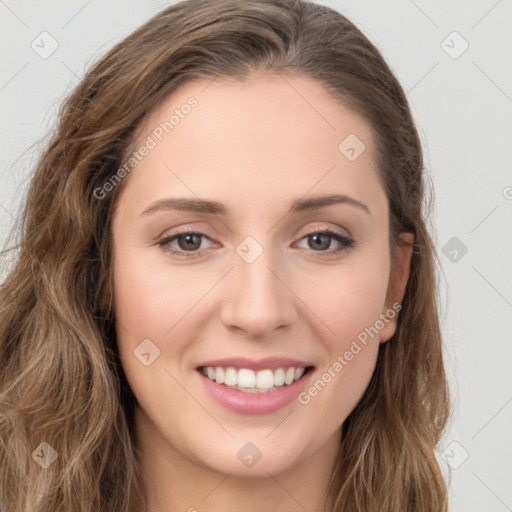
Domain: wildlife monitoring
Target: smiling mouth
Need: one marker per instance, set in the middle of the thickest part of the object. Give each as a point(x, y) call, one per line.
point(251, 381)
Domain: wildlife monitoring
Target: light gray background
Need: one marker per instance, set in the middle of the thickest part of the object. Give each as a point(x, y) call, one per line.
point(463, 109)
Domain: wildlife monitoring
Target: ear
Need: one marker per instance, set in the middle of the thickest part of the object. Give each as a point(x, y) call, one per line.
point(399, 275)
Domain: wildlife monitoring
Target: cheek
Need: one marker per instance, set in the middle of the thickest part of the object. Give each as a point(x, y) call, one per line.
point(153, 304)
point(348, 299)
point(356, 305)
point(149, 300)
point(146, 308)
point(162, 305)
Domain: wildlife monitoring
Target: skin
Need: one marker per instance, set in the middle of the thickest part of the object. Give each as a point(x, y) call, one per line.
point(255, 147)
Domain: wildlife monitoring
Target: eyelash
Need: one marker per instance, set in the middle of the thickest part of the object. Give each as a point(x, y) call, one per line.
point(346, 242)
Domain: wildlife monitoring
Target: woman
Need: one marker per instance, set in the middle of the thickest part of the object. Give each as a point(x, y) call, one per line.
point(224, 292)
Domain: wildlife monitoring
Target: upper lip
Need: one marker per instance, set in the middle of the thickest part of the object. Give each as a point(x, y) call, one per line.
point(271, 363)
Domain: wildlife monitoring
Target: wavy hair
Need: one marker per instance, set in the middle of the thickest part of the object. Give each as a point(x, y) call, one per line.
point(61, 381)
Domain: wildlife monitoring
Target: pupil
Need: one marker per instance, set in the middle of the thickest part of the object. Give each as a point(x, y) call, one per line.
point(193, 241)
point(190, 240)
point(326, 238)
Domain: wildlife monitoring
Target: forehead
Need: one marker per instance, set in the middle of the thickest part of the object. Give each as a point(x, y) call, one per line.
point(270, 137)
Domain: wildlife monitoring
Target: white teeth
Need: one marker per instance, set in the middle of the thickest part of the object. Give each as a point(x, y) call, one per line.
point(299, 372)
point(246, 378)
point(289, 376)
point(249, 381)
point(279, 377)
point(219, 375)
point(265, 379)
point(230, 378)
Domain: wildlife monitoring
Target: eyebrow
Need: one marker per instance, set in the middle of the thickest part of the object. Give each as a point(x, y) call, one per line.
point(216, 208)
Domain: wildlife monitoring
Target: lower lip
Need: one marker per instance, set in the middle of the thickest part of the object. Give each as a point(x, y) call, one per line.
point(255, 403)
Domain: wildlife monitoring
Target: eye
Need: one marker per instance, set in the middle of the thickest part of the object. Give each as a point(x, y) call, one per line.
point(188, 244)
point(321, 240)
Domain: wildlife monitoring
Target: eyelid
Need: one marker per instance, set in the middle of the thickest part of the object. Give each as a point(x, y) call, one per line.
point(306, 232)
point(166, 239)
point(325, 229)
point(346, 241)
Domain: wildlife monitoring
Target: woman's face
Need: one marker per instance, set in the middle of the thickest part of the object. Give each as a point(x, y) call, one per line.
point(221, 282)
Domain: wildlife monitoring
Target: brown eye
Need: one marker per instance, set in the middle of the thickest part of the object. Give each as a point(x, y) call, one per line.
point(186, 244)
point(319, 241)
point(189, 241)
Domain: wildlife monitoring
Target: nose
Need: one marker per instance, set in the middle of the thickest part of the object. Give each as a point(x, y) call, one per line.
point(258, 300)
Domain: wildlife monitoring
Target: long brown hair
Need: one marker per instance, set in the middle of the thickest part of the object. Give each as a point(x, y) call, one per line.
point(61, 381)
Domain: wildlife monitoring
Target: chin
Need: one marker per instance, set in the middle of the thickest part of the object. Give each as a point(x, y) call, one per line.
point(251, 459)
